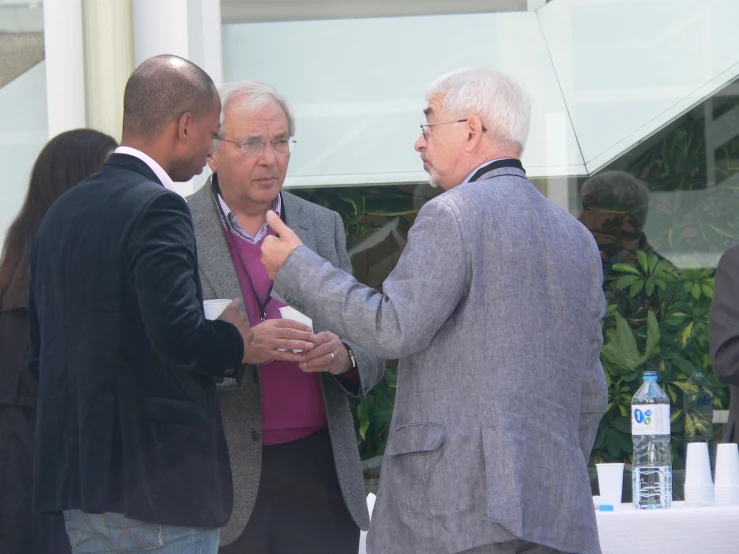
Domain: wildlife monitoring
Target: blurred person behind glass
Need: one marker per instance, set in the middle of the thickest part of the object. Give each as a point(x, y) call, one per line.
point(615, 206)
point(66, 160)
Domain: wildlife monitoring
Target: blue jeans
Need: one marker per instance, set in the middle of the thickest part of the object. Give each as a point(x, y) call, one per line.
point(109, 533)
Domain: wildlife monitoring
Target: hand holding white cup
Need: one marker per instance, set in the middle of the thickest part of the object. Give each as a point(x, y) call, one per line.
point(214, 308)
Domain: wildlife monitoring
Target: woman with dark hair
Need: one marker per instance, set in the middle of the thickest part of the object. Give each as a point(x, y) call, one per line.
point(66, 160)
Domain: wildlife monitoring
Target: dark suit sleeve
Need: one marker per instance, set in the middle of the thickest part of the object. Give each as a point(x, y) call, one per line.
point(370, 368)
point(163, 265)
point(723, 319)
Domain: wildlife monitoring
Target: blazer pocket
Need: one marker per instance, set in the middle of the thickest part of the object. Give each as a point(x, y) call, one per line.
point(415, 437)
point(175, 410)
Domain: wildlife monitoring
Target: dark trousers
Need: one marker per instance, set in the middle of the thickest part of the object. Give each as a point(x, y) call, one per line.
point(299, 507)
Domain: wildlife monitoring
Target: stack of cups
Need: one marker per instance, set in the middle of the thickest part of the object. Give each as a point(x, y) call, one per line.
point(727, 475)
point(698, 483)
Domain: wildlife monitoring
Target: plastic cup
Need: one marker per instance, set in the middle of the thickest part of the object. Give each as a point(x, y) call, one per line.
point(698, 495)
point(610, 483)
point(698, 465)
point(727, 465)
point(288, 312)
point(214, 308)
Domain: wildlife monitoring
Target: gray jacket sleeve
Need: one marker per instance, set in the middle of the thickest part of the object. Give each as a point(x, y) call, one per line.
point(723, 319)
point(425, 287)
point(594, 395)
point(370, 367)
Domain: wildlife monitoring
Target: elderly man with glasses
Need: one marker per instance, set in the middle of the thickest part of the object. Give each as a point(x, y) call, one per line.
point(494, 310)
point(298, 484)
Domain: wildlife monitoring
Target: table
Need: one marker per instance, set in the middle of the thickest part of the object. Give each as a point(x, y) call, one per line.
point(678, 530)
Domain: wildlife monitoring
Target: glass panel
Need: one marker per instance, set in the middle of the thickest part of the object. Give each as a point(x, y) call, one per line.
point(23, 122)
point(663, 215)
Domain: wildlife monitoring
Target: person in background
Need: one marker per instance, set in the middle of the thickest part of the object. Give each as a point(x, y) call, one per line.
point(615, 205)
point(723, 334)
point(129, 440)
point(66, 160)
point(298, 485)
point(494, 311)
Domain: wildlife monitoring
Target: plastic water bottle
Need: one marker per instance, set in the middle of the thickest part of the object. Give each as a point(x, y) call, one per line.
point(698, 409)
point(650, 430)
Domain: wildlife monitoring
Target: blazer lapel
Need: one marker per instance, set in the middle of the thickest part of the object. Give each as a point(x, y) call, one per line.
point(215, 257)
point(295, 219)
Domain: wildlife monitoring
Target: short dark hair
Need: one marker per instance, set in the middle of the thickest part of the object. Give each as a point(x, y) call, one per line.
point(160, 90)
point(66, 160)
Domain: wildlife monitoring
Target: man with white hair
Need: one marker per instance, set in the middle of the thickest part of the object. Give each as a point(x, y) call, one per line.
point(494, 310)
point(297, 478)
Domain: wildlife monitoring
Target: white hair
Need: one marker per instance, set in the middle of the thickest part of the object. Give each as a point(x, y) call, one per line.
point(252, 96)
point(501, 104)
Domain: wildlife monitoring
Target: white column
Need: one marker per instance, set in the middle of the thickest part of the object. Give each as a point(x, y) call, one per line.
point(190, 29)
point(108, 29)
point(65, 73)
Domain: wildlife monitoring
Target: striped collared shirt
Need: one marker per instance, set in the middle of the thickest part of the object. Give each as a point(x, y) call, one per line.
point(230, 223)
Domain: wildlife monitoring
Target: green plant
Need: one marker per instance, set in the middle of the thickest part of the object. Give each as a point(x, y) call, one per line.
point(662, 328)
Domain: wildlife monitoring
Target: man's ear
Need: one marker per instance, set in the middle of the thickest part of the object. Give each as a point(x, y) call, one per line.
point(212, 162)
point(474, 131)
point(183, 126)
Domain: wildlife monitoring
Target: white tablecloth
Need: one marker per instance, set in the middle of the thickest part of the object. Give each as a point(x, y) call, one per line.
point(678, 530)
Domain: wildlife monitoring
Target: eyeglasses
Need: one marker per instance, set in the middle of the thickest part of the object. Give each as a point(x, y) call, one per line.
point(426, 127)
point(254, 146)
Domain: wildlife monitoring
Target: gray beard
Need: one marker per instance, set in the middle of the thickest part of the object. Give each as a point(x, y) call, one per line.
point(433, 183)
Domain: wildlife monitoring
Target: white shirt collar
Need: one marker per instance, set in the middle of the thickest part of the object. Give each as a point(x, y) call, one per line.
point(153, 165)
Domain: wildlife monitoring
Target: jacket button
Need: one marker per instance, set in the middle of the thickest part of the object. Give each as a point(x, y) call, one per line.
point(255, 435)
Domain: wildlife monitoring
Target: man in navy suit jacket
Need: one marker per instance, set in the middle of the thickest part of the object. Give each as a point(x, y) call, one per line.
point(129, 439)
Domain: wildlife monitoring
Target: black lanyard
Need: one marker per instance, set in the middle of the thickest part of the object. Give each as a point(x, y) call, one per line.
point(507, 162)
point(235, 250)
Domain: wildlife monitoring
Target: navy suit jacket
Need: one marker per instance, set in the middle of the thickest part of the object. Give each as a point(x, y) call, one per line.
point(128, 418)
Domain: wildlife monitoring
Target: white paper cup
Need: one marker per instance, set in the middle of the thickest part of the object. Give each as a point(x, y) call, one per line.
point(288, 312)
point(610, 483)
point(727, 465)
point(698, 465)
point(214, 308)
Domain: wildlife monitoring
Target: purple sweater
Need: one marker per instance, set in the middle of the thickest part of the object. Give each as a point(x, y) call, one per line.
point(292, 402)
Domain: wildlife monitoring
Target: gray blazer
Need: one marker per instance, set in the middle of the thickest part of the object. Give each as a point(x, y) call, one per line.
point(322, 231)
point(723, 333)
point(494, 310)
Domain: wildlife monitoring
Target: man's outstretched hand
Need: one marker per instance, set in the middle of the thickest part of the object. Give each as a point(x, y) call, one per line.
point(276, 249)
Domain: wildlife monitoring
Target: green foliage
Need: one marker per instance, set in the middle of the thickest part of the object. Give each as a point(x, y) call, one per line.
point(665, 330)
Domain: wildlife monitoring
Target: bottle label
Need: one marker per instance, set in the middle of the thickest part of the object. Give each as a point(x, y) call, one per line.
point(650, 419)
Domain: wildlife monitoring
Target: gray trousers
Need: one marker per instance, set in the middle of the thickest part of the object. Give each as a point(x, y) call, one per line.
point(512, 547)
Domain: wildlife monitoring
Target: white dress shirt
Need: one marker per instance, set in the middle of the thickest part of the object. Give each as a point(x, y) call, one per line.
point(153, 165)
